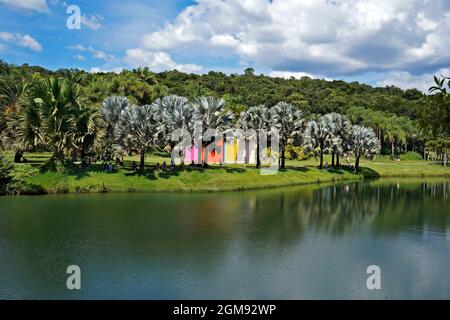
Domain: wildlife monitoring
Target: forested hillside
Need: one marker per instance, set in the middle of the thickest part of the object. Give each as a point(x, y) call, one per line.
point(404, 120)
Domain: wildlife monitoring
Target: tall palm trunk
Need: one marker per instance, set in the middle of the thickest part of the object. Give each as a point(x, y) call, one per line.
point(58, 155)
point(356, 164)
point(142, 160)
point(393, 148)
point(283, 155)
point(258, 159)
point(321, 156)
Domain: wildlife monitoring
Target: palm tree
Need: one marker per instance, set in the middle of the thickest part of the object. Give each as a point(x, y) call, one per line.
point(289, 121)
point(364, 143)
point(88, 129)
point(13, 88)
point(319, 136)
point(255, 118)
point(56, 101)
point(177, 114)
point(28, 128)
point(211, 113)
point(340, 128)
point(111, 110)
point(140, 127)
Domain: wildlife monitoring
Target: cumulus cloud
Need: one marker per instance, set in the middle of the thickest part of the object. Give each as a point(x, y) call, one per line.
point(25, 41)
point(406, 80)
point(99, 70)
point(157, 61)
point(332, 38)
point(289, 74)
point(92, 21)
point(79, 57)
point(98, 54)
point(36, 5)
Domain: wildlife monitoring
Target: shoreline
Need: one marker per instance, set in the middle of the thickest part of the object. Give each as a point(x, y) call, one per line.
point(286, 178)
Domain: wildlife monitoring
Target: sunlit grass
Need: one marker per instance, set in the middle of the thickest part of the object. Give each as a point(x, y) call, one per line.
point(214, 178)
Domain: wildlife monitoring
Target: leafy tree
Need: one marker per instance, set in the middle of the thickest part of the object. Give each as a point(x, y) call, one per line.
point(340, 128)
point(111, 109)
point(177, 114)
point(256, 118)
point(363, 142)
point(289, 121)
point(139, 127)
point(318, 136)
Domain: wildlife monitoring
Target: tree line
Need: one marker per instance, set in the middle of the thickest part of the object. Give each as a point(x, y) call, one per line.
point(62, 110)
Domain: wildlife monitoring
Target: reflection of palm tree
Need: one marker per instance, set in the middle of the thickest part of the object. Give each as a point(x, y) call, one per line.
point(339, 209)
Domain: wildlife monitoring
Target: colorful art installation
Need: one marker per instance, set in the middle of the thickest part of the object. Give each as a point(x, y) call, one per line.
point(231, 151)
point(250, 151)
point(234, 151)
point(191, 155)
point(214, 156)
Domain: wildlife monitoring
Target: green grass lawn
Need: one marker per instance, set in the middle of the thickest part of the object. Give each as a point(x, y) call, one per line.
point(214, 178)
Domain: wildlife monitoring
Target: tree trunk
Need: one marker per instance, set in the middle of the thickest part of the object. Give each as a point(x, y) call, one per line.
point(393, 150)
point(321, 159)
point(258, 159)
point(74, 156)
point(18, 156)
point(337, 160)
point(283, 156)
point(142, 160)
point(58, 155)
point(332, 159)
point(356, 164)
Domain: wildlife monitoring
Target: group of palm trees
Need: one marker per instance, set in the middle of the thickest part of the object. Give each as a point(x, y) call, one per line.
point(139, 128)
point(55, 116)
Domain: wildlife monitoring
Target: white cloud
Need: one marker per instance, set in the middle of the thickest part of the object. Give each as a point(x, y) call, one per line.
point(79, 57)
point(405, 80)
point(288, 74)
point(95, 53)
point(314, 36)
point(157, 61)
point(28, 42)
point(91, 21)
point(99, 69)
point(36, 5)
point(25, 41)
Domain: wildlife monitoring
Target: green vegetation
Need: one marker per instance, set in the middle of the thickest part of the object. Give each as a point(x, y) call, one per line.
point(77, 118)
point(34, 178)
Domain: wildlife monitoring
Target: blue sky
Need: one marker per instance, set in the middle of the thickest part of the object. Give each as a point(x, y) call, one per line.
point(380, 42)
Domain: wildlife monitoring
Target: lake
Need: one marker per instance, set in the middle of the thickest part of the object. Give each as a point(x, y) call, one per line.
point(307, 242)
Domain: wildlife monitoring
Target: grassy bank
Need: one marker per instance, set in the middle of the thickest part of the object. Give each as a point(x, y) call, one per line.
point(34, 177)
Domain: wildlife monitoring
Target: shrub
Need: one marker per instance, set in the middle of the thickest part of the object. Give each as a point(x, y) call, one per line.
point(411, 156)
point(6, 168)
point(297, 153)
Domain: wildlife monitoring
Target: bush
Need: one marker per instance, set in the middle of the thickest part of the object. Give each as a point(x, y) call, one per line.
point(411, 156)
point(6, 168)
point(297, 153)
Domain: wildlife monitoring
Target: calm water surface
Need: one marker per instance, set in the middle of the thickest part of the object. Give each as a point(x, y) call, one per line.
point(299, 243)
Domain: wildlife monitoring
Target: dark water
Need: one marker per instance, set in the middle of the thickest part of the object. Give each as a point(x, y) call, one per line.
point(305, 242)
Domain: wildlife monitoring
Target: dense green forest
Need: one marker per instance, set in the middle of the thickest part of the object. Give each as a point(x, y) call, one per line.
point(403, 120)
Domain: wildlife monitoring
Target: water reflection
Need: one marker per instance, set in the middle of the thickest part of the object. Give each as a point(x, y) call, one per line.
point(384, 206)
point(195, 245)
